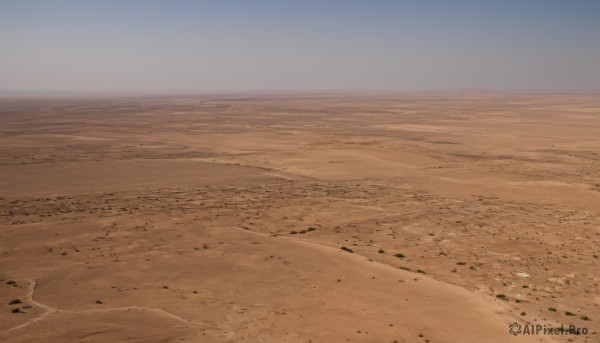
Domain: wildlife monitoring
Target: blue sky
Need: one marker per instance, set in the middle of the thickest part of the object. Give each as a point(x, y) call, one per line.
point(298, 45)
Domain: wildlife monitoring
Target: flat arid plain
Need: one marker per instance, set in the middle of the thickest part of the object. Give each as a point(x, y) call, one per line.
point(400, 217)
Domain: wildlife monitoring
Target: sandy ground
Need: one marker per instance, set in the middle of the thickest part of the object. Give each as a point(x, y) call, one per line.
point(415, 217)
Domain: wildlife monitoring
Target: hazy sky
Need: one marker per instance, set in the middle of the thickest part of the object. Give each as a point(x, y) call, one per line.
point(226, 45)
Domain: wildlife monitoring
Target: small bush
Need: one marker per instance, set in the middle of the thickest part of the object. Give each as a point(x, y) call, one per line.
point(420, 271)
point(311, 229)
point(501, 297)
point(461, 263)
point(16, 310)
point(381, 251)
point(586, 318)
point(15, 301)
point(569, 313)
point(551, 309)
point(347, 249)
point(399, 255)
point(293, 232)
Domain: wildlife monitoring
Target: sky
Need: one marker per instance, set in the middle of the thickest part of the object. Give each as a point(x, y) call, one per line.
point(282, 45)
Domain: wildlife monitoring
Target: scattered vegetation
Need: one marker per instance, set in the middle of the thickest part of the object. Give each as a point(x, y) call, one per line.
point(586, 318)
point(310, 229)
point(569, 313)
point(399, 255)
point(381, 251)
point(16, 310)
point(347, 249)
point(461, 263)
point(99, 302)
point(501, 297)
point(421, 271)
point(551, 309)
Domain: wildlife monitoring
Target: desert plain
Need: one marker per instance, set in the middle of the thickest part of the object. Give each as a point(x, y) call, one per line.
point(431, 217)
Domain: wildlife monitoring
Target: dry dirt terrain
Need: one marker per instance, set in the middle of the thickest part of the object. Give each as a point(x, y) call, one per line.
point(413, 217)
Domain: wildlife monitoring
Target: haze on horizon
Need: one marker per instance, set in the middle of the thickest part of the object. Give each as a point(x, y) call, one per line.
point(298, 45)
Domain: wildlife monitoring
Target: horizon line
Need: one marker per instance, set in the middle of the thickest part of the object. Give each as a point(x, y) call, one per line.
point(9, 93)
